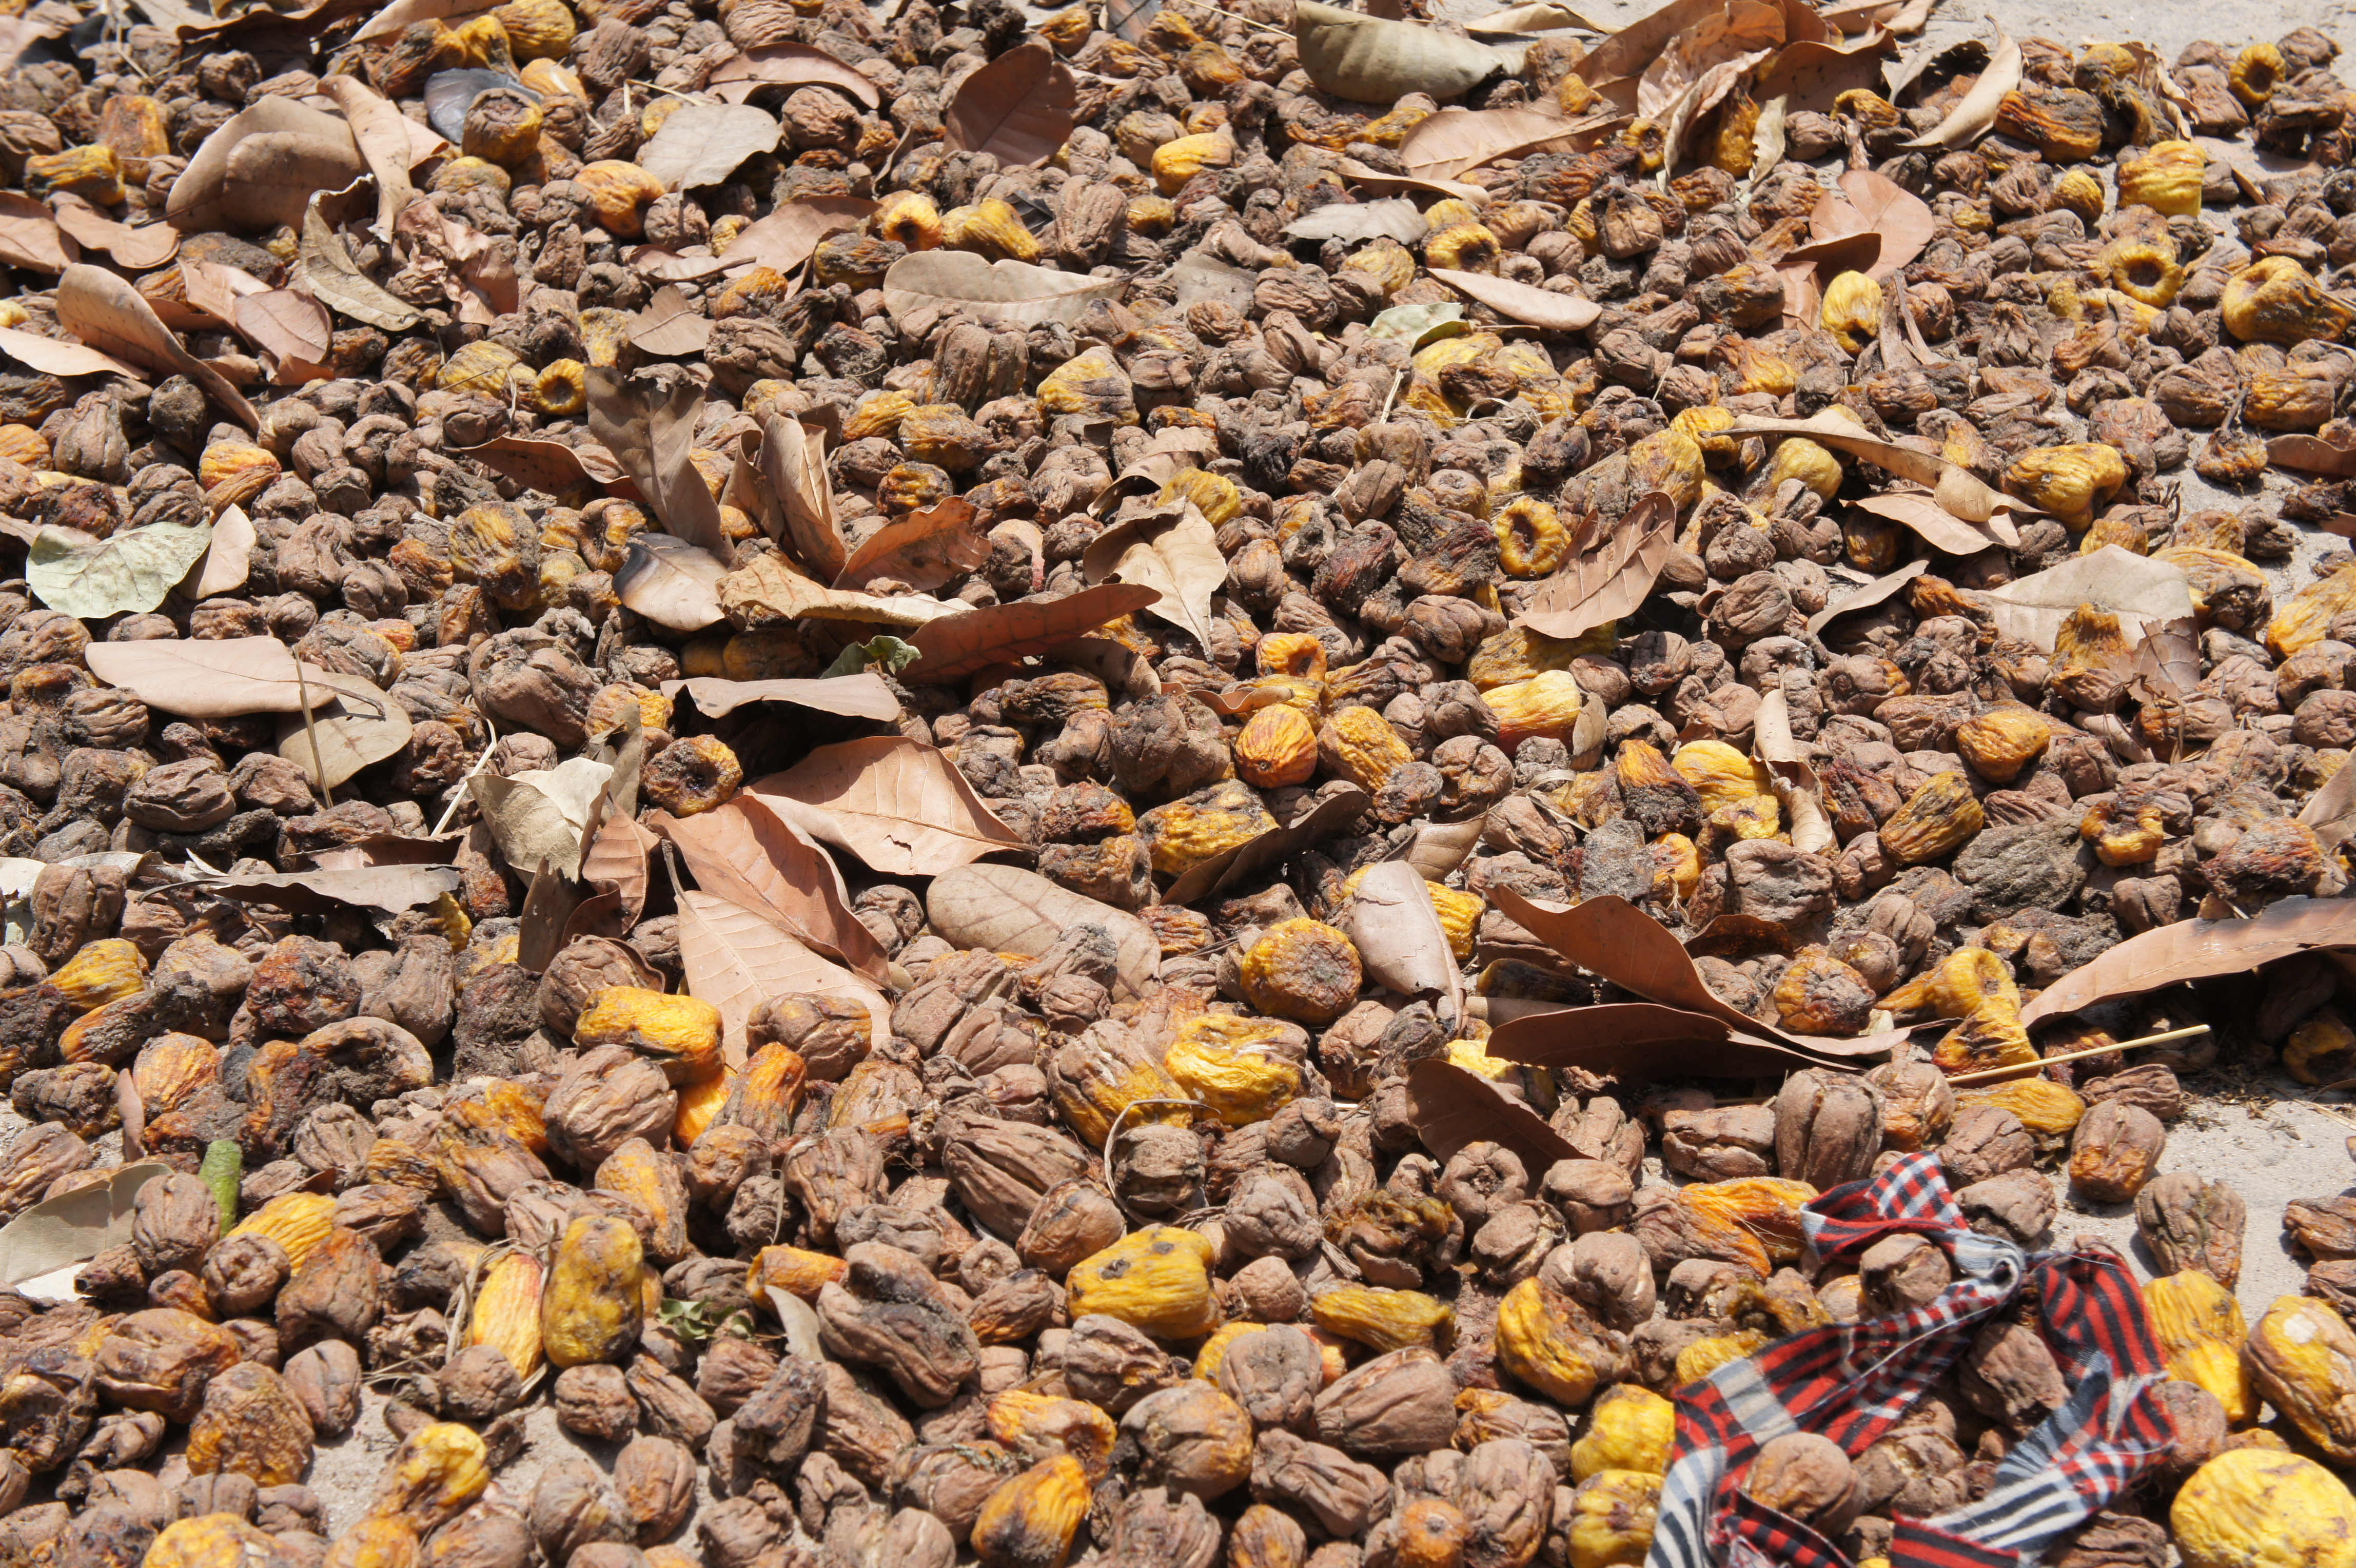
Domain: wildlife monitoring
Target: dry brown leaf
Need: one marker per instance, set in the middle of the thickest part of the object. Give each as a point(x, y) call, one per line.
point(1352, 55)
point(1957, 490)
point(1540, 16)
point(294, 326)
point(148, 245)
point(397, 17)
point(614, 861)
point(995, 293)
point(390, 889)
point(1811, 75)
point(793, 458)
point(1739, 31)
point(770, 591)
point(1392, 219)
point(1173, 550)
point(45, 21)
point(1454, 141)
point(1018, 107)
point(671, 325)
point(206, 678)
point(1638, 1041)
point(1453, 1109)
point(260, 168)
point(1003, 908)
point(2198, 950)
point(924, 549)
point(2168, 659)
point(1123, 670)
point(859, 696)
point(55, 356)
point(1624, 945)
point(1974, 113)
point(32, 238)
point(1610, 578)
point(737, 959)
point(1879, 205)
point(355, 725)
point(1524, 302)
point(549, 905)
point(104, 311)
point(789, 65)
point(1334, 809)
point(1797, 785)
point(1169, 454)
point(650, 430)
point(1867, 596)
point(2139, 590)
point(1364, 177)
point(213, 288)
point(2331, 810)
point(1627, 52)
point(898, 804)
point(336, 279)
point(747, 854)
point(1939, 528)
point(785, 239)
point(704, 143)
point(670, 582)
point(2313, 455)
point(227, 558)
point(1391, 921)
point(381, 133)
point(959, 644)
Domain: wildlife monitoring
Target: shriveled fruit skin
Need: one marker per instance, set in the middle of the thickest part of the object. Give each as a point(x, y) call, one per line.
point(210, 1540)
point(1380, 1318)
point(1304, 970)
point(252, 1424)
point(297, 1222)
point(1612, 1515)
point(592, 1305)
point(436, 1474)
point(505, 1311)
point(1547, 1341)
point(1031, 1519)
point(1157, 1279)
point(1628, 1428)
point(162, 1360)
point(2250, 1507)
point(2200, 1328)
point(2302, 1360)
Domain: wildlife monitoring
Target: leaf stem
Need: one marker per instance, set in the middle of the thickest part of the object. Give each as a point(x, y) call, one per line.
point(311, 732)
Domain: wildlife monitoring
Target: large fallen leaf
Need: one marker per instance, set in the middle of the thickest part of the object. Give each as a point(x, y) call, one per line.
point(542, 814)
point(1797, 787)
point(259, 169)
point(1173, 550)
point(207, 678)
point(670, 326)
point(785, 239)
point(1335, 808)
point(793, 458)
point(43, 1247)
point(737, 959)
point(861, 696)
point(135, 570)
point(1352, 55)
point(1974, 114)
point(214, 288)
point(1393, 217)
point(614, 861)
point(1522, 301)
point(1017, 108)
point(924, 549)
point(1955, 488)
point(957, 645)
point(336, 279)
point(1611, 577)
point(1881, 206)
point(1936, 526)
point(995, 293)
point(1638, 1041)
point(704, 143)
point(55, 356)
point(31, 236)
point(104, 311)
point(1738, 31)
point(2198, 950)
point(1627, 52)
point(789, 65)
point(2313, 455)
point(227, 561)
point(650, 430)
point(1811, 75)
point(747, 854)
point(390, 889)
point(1453, 1109)
point(898, 804)
point(1003, 908)
point(1540, 16)
point(381, 133)
point(1866, 596)
point(670, 582)
point(138, 248)
point(2331, 810)
point(1614, 939)
point(770, 591)
point(2137, 589)
point(355, 725)
point(1392, 923)
point(294, 326)
point(1454, 141)
point(548, 466)
point(46, 20)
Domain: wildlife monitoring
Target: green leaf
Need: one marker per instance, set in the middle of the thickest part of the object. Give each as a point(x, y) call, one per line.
point(1420, 324)
point(892, 653)
point(135, 570)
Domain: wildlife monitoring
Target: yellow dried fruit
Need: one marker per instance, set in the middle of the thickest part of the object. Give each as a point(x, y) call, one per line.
point(2275, 300)
point(1518, 654)
point(1960, 983)
point(618, 194)
point(105, 970)
point(2047, 1109)
point(2254, 74)
point(679, 1034)
point(1852, 312)
point(2124, 833)
point(1611, 1518)
point(460, 175)
point(1940, 816)
point(1765, 1211)
point(1382, 1319)
point(1703, 1357)
point(561, 390)
point(1719, 774)
point(2072, 481)
point(1157, 1280)
point(795, 1270)
point(2252, 1508)
point(1359, 744)
point(1546, 706)
point(2306, 618)
point(2003, 741)
point(2302, 1361)
point(593, 1304)
point(1989, 1037)
point(1531, 539)
point(1549, 1341)
point(2146, 271)
point(2200, 1331)
point(537, 29)
point(1210, 822)
point(505, 1314)
point(436, 1474)
point(1460, 916)
point(2319, 1049)
point(1030, 1520)
point(297, 1222)
point(1465, 247)
point(94, 172)
point(1240, 1067)
point(1276, 748)
point(1176, 161)
point(210, 1540)
point(1214, 495)
point(1628, 1428)
point(1092, 383)
point(1304, 969)
point(1390, 264)
point(988, 228)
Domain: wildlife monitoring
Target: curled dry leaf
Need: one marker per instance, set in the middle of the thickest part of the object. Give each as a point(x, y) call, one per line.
point(2332, 810)
point(43, 22)
point(2313, 455)
point(736, 958)
point(354, 724)
point(924, 549)
point(1018, 108)
point(785, 239)
point(959, 644)
point(615, 862)
point(1362, 175)
point(213, 288)
point(1541, 16)
point(1169, 454)
point(206, 678)
point(1391, 921)
point(147, 245)
point(898, 804)
point(2198, 950)
point(227, 561)
point(1453, 1109)
point(1866, 596)
point(650, 429)
point(1352, 55)
point(1974, 114)
point(1938, 527)
point(1635, 1041)
point(789, 65)
point(1003, 908)
point(133, 570)
point(793, 458)
point(860, 696)
point(769, 591)
point(55, 357)
point(670, 326)
point(1454, 141)
point(704, 143)
point(996, 294)
point(259, 169)
point(1610, 577)
point(551, 466)
point(1393, 217)
point(336, 279)
point(1175, 551)
point(745, 853)
point(542, 815)
point(1812, 75)
point(381, 133)
point(1796, 786)
point(31, 238)
point(294, 326)
point(1957, 490)
point(670, 582)
point(1878, 204)
point(1524, 302)
point(104, 311)
point(2137, 589)
point(1334, 810)
point(392, 888)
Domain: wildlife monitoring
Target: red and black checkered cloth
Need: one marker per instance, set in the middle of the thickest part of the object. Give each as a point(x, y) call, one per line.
point(1851, 1382)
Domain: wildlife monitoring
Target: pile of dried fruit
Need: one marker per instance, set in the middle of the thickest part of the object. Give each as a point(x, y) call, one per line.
point(1000, 787)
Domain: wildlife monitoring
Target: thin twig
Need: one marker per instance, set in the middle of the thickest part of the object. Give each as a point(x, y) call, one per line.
point(311, 730)
point(1114, 1131)
point(480, 763)
point(2019, 1068)
point(1396, 377)
point(1247, 21)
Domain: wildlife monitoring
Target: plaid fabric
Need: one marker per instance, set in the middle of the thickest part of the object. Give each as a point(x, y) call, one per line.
point(1851, 1382)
